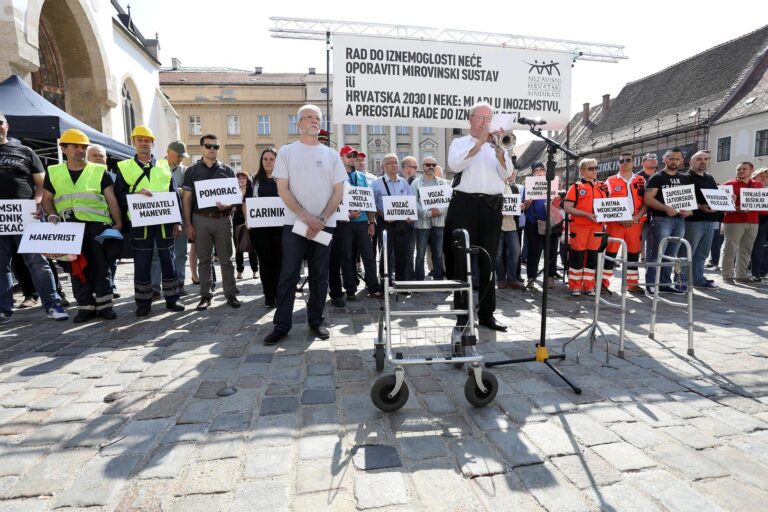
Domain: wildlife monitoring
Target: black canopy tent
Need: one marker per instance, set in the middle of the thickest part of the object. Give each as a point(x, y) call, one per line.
point(38, 123)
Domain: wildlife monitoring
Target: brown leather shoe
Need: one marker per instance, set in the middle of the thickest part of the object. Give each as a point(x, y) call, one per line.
point(514, 285)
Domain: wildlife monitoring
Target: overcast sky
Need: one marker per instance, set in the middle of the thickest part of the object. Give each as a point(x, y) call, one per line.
point(655, 34)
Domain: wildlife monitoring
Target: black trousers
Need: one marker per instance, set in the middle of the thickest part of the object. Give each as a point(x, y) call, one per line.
point(480, 215)
point(268, 243)
point(536, 249)
point(350, 239)
point(397, 249)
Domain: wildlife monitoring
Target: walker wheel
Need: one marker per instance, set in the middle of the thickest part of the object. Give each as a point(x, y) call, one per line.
point(380, 355)
point(382, 388)
point(473, 393)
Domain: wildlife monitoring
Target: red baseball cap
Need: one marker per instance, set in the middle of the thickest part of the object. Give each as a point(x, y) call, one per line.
point(360, 154)
point(347, 150)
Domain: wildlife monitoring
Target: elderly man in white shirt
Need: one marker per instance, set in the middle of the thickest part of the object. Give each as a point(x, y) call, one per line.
point(482, 169)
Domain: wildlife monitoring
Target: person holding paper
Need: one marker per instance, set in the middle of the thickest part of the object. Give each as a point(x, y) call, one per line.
point(267, 241)
point(350, 238)
point(630, 186)
point(534, 218)
point(210, 227)
point(390, 184)
point(699, 226)
point(21, 178)
point(508, 257)
point(483, 169)
point(238, 219)
point(143, 174)
point(740, 230)
point(431, 223)
point(665, 220)
point(310, 180)
point(80, 191)
point(583, 225)
point(759, 264)
point(650, 163)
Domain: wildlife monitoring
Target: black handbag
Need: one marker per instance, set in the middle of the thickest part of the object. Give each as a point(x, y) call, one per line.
point(242, 239)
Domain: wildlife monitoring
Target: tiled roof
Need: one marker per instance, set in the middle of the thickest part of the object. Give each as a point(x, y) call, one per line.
point(751, 99)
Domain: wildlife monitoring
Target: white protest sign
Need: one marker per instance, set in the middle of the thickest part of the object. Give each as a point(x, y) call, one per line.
point(15, 214)
point(322, 237)
point(359, 198)
point(536, 187)
point(719, 199)
point(428, 83)
point(611, 209)
point(47, 237)
point(435, 197)
point(753, 199)
point(161, 208)
point(220, 190)
point(680, 197)
point(399, 207)
point(264, 212)
point(342, 212)
point(511, 204)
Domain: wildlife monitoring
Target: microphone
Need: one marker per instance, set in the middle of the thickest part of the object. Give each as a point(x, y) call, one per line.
point(533, 121)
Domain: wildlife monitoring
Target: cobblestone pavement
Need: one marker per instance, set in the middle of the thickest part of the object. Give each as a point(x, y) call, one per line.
point(124, 415)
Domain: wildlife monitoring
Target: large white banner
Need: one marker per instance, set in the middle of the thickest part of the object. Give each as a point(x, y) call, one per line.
point(15, 214)
point(428, 83)
point(219, 190)
point(47, 237)
point(160, 208)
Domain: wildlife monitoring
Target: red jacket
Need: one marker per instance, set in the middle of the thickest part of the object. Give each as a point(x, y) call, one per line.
point(741, 217)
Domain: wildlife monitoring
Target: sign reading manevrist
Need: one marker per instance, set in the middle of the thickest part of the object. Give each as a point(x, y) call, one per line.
point(753, 199)
point(15, 214)
point(428, 83)
point(160, 208)
point(536, 187)
point(264, 212)
point(435, 197)
point(611, 209)
point(47, 237)
point(399, 207)
point(680, 197)
point(220, 190)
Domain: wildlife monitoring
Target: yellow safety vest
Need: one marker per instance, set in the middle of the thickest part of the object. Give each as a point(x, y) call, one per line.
point(159, 179)
point(84, 198)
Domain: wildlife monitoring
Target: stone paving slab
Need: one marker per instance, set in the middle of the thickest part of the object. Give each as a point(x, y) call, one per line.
point(126, 415)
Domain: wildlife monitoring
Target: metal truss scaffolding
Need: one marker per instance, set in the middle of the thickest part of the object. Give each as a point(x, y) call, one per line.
point(303, 28)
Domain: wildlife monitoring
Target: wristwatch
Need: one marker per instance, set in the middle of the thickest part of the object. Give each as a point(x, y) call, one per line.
point(322, 219)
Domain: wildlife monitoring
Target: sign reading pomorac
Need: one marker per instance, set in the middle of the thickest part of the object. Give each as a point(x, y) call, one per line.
point(428, 83)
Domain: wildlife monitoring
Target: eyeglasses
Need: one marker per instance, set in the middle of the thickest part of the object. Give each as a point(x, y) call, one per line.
point(211, 146)
point(350, 156)
point(411, 166)
point(591, 168)
point(430, 165)
point(486, 119)
point(625, 161)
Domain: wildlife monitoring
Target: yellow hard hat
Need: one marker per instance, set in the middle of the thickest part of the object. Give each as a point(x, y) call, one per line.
point(142, 131)
point(74, 136)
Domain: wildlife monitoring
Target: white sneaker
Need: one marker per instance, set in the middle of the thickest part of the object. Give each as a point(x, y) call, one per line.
point(591, 292)
point(5, 318)
point(57, 313)
point(575, 293)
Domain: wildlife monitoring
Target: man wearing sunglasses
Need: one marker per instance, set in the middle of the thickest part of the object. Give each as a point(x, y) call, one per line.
point(431, 223)
point(210, 227)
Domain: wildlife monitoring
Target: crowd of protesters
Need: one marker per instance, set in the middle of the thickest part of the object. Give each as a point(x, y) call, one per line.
point(308, 176)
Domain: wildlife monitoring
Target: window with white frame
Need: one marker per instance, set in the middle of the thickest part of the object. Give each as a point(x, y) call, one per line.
point(351, 129)
point(195, 125)
point(265, 127)
point(236, 162)
point(293, 125)
point(233, 125)
point(723, 149)
point(761, 143)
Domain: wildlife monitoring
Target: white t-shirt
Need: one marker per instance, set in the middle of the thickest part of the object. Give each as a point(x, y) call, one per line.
point(311, 171)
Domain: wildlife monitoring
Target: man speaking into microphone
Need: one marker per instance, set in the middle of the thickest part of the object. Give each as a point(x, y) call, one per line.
point(482, 169)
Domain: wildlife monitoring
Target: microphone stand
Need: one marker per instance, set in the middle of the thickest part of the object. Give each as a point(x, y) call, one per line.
point(542, 352)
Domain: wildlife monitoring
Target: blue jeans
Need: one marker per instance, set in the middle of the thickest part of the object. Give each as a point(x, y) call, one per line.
point(41, 273)
point(508, 257)
point(434, 237)
point(699, 235)
point(318, 256)
point(661, 228)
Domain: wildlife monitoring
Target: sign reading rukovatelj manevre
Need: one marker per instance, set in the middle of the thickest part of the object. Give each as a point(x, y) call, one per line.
point(427, 83)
